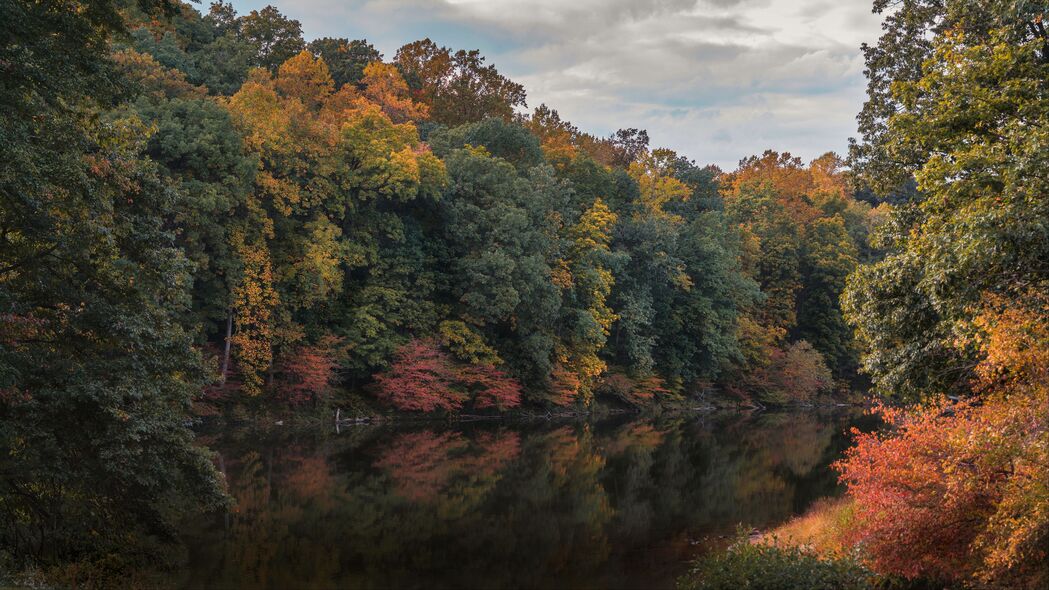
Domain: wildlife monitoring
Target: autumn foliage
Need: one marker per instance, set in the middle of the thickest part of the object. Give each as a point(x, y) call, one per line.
point(306, 373)
point(564, 386)
point(421, 378)
point(636, 392)
point(799, 372)
point(424, 378)
point(793, 374)
point(492, 387)
point(956, 491)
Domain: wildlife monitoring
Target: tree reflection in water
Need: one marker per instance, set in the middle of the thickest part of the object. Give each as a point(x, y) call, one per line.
point(617, 503)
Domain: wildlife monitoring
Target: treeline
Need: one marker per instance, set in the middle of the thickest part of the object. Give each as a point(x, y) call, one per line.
point(347, 217)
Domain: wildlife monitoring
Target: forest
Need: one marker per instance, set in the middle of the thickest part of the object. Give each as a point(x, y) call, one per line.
point(207, 218)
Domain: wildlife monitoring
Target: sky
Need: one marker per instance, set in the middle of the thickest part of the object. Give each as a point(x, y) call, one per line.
point(714, 80)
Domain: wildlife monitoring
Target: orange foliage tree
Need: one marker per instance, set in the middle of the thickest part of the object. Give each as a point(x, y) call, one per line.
point(254, 298)
point(384, 86)
point(786, 174)
point(306, 78)
point(957, 491)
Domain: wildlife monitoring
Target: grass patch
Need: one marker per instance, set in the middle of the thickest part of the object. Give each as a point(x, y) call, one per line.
point(821, 529)
point(762, 566)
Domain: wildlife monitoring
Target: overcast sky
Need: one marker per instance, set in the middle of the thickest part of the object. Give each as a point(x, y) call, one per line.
point(715, 80)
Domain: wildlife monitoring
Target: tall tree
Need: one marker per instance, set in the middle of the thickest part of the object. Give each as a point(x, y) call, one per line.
point(346, 59)
point(202, 156)
point(588, 317)
point(828, 256)
point(974, 118)
point(97, 454)
point(275, 37)
point(458, 87)
point(496, 232)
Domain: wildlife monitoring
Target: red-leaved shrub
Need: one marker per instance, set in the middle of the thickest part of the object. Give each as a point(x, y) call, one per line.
point(424, 378)
point(956, 491)
point(305, 374)
point(421, 378)
point(493, 388)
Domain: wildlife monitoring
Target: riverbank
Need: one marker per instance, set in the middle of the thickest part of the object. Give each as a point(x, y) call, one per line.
point(357, 409)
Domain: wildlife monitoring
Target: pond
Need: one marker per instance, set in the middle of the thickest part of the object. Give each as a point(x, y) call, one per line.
point(623, 502)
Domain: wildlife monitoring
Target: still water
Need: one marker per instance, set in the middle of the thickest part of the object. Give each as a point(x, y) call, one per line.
point(618, 503)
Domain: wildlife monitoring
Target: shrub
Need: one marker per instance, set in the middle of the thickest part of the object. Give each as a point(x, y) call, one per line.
point(958, 491)
point(769, 567)
point(801, 372)
point(420, 379)
point(305, 374)
point(635, 392)
point(425, 378)
point(492, 387)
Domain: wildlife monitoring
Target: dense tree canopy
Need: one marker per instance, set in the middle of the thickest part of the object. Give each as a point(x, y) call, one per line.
point(336, 207)
point(96, 368)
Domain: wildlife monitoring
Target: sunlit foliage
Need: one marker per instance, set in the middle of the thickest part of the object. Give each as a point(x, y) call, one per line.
point(958, 489)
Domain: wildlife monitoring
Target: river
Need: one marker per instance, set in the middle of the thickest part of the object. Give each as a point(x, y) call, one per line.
point(623, 502)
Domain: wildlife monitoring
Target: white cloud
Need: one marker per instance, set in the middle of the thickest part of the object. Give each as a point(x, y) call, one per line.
point(716, 80)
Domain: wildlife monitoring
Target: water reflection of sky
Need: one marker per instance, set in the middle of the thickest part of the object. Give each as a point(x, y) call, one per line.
point(620, 503)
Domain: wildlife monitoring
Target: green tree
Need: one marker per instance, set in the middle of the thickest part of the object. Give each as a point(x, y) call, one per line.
point(223, 64)
point(203, 157)
point(98, 461)
point(346, 59)
point(777, 267)
point(498, 245)
point(828, 256)
point(458, 86)
point(699, 336)
point(911, 32)
point(975, 116)
point(165, 50)
point(500, 138)
point(275, 37)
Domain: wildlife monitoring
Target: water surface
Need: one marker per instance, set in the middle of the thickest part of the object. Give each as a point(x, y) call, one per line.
point(619, 503)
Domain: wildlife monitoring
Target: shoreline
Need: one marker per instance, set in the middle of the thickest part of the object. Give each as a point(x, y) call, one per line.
point(335, 417)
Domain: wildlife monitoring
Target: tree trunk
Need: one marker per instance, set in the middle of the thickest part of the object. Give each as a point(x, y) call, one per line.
point(225, 482)
point(229, 337)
